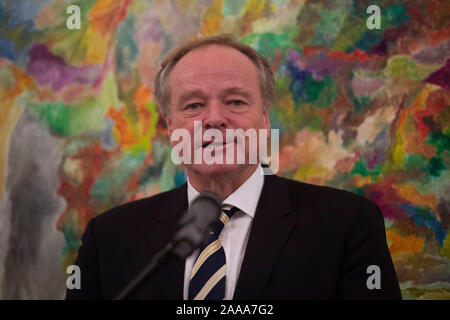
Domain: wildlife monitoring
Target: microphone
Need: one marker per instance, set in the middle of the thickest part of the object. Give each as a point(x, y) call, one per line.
point(195, 225)
point(192, 230)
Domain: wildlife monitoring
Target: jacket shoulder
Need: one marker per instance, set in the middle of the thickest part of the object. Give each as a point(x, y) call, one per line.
point(310, 191)
point(146, 208)
point(331, 203)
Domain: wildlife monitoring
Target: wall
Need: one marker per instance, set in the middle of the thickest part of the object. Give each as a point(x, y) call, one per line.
point(366, 110)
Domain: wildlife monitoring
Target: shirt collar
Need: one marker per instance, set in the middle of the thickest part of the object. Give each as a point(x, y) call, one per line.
point(245, 197)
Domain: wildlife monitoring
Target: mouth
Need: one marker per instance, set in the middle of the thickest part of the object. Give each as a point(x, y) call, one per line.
point(212, 145)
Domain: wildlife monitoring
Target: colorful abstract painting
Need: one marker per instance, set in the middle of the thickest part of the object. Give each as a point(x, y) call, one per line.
point(359, 108)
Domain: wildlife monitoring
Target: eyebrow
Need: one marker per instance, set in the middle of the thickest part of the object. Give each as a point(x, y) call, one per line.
point(191, 94)
point(200, 94)
point(238, 91)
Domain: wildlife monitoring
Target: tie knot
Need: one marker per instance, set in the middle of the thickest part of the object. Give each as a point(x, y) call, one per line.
point(225, 216)
point(229, 210)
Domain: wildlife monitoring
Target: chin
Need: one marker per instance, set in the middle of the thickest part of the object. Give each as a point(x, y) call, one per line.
point(211, 170)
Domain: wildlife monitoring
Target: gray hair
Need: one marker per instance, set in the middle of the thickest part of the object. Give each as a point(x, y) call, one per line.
point(162, 89)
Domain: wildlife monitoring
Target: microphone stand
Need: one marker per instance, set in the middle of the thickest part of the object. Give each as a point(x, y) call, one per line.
point(157, 260)
point(192, 231)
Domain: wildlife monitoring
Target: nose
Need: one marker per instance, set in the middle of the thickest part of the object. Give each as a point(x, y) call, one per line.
point(215, 116)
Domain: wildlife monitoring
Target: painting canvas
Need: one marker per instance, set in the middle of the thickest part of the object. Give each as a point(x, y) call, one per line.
point(362, 104)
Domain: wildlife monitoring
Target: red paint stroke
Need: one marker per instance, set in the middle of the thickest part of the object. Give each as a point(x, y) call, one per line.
point(387, 198)
point(77, 194)
point(356, 55)
point(277, 61)
point(441, 77)
point(309, 51)
point(426, 120)
point(439, 35)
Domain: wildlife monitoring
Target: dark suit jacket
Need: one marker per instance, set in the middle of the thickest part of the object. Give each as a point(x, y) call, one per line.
point(306, 242)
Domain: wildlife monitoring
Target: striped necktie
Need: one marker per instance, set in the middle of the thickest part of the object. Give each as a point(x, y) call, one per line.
point(207, 281)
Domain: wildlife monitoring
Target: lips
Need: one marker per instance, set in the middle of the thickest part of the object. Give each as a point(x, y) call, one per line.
point(212, 144)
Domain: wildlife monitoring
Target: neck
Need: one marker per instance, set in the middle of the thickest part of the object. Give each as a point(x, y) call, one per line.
point(222, 184)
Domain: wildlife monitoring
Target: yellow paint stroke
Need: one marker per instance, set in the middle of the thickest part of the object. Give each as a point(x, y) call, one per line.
point(411, 194)
point(122, 130)
point(9, 116)
point(103, 17)
point(398, 244)
point(135, 135)
point(359, 181)
point(142, 97)
point(445, 250)
point(398, 151)
point(312, 174)
point(288, 104)
point(253, 11)
point(213, 18)
point(96, 45)
point(254, 8)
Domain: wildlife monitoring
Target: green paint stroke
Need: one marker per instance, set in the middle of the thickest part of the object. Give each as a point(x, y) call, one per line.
point(360, 103)
point(415, 161)
point(321, 93)
point(232, 7)
point(350, 32)
point(395, 15)
point(267, 44)
point(405, 67)
point(65, 120)
point(435, 166)
point(72, 241)
point(440, 141)
point(360, 168)
point(128, 49)
point(328, 30)
point(114, 182)
point(316, 123)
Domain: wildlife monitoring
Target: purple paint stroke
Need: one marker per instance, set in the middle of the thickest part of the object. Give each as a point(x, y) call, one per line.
point(441, 77)
point(433, 55)
point(319, 65)
point(48, 68)
point(374, 153)
point(295, 59)
point(390, 205)
point(148, 29)
point(366, 86)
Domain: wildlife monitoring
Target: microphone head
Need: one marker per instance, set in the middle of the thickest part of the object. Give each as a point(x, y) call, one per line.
point(211, 196)
point(196, 224)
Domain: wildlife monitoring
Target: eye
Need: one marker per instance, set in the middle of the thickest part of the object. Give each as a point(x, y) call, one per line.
point(193, 106)
point(236, 102)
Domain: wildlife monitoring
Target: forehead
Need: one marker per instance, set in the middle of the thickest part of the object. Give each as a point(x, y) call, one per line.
point(214, 64)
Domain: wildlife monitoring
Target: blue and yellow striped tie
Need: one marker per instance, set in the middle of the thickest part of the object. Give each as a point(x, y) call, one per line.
point(207, 281)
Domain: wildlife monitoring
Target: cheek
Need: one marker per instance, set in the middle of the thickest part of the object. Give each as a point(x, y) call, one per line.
point(176, 122)
point(255, 122)
point(181, 128)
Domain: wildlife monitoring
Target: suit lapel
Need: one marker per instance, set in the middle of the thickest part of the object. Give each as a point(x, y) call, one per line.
point(272, 226)
point(173, 272)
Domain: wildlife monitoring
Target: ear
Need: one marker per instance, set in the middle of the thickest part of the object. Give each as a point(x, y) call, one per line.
point(266, 121)
point(168, 122)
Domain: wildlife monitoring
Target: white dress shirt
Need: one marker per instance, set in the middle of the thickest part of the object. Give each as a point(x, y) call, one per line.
point(234, 236)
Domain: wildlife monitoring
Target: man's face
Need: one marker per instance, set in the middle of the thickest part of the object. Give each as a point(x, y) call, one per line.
point(218, 86)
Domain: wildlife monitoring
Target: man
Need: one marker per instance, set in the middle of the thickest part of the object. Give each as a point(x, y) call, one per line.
point(277, 238)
